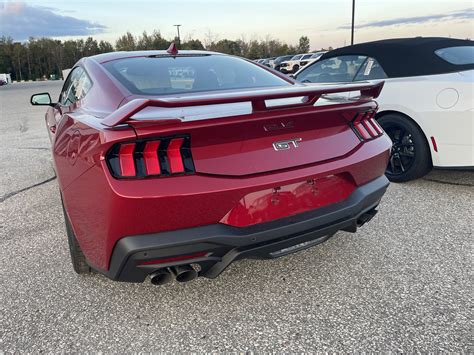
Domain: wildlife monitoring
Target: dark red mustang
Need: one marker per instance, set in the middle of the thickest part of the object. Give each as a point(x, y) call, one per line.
point(174, 164)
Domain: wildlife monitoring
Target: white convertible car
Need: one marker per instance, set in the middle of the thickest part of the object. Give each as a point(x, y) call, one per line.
point(426, 105)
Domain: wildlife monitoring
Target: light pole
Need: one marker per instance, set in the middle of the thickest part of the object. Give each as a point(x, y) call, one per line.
point(179, 39)
point(353, 17)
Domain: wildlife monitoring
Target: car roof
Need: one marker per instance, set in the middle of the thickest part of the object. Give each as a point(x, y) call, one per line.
point(107, 57)
point(402, 57)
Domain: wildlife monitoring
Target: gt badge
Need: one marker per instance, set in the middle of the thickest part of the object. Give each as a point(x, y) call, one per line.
point(284, 145)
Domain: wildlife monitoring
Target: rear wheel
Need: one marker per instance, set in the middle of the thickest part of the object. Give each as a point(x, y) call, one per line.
point(295, 68)
point(410, 156)
point(77, 257)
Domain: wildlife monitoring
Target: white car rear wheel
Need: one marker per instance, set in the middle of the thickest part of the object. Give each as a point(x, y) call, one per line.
point(410, 156)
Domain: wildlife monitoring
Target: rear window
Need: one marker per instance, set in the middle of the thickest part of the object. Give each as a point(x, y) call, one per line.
point(457, 55)
point(172, 75)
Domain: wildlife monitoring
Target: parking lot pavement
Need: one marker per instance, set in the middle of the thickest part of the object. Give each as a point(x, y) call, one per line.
point(402, 283)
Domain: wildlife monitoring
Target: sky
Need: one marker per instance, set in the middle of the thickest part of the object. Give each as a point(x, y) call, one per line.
point(325, 22)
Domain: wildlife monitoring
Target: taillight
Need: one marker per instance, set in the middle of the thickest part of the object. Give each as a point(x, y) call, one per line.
point(127, 165)
point(365, 126)
point(150, 155)
point(151, 158)
point(174, 156)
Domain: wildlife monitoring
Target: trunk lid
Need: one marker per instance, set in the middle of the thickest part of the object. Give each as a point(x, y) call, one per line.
point(259, 146)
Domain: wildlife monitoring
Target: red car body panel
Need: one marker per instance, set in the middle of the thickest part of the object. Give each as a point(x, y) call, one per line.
point(240, 180)
point(287, 200)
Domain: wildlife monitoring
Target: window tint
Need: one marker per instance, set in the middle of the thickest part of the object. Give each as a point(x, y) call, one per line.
point(171, 75)
point(370, 70)
point(457, 55)
point(76, 87)
point(331, 70)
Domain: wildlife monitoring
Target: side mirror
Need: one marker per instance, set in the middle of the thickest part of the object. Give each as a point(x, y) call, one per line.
point(292, 76)
point(42, 99)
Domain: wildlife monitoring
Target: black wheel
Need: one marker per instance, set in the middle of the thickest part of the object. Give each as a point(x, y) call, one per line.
point(410, 156)
point(78, 259)
point(295, 68)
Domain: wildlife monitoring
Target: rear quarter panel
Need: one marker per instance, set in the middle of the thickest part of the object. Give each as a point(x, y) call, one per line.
point(78, 154)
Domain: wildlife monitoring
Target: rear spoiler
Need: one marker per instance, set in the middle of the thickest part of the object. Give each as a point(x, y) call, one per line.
point(257, 98)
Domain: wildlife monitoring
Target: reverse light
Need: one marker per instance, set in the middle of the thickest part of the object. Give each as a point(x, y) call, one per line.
point(151, 158)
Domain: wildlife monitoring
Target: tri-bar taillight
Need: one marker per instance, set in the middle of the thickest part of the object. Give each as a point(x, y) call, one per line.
point(365, 126)
point(151, 158)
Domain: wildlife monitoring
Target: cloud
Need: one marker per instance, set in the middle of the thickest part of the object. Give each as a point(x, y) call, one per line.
point(456, 15)
point(21, 21)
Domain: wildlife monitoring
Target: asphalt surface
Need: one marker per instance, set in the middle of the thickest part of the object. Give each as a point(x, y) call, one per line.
point(402, 283)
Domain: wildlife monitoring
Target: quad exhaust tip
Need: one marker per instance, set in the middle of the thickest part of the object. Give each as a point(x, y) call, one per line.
point(182, 273)
point(161, 277)
point(366, 217)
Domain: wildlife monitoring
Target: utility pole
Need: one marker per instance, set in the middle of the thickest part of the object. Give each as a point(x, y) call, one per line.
point(179, 38)
point(353, 17)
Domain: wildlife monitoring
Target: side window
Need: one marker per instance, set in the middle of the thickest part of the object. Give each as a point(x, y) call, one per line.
point(332, 70)
point(457, 55)
point(66, 86)
point(370, 70)
point(76, 87)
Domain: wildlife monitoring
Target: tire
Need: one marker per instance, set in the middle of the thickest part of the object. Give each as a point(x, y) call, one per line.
point(410, 157)
point(295, 68)
point(78, 259)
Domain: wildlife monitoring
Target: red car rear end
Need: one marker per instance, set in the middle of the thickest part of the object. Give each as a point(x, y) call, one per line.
point(180, 185)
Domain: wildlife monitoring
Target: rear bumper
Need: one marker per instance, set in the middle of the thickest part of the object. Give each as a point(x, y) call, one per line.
point(225, 244)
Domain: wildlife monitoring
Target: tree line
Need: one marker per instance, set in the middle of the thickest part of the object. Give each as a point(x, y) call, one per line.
point(38, 58)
